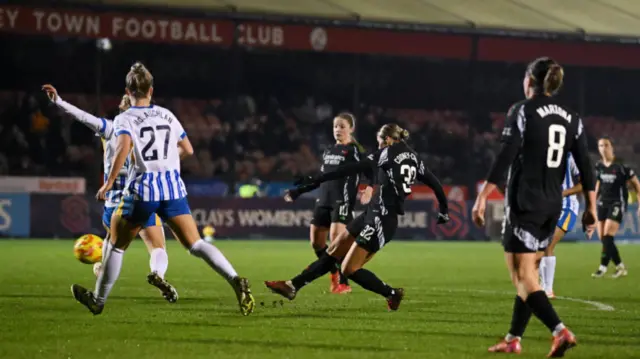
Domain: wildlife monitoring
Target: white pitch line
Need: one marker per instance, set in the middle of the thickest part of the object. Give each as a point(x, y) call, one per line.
point(597, 305)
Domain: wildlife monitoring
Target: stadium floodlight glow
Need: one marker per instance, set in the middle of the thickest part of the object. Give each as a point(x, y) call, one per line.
point(104, 44)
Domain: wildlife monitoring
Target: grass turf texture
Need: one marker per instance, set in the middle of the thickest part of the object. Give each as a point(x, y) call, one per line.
point(458, 303)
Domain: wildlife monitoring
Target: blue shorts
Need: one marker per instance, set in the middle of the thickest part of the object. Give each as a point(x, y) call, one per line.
point(139, 212)
point(567, 220)
point(152, 221)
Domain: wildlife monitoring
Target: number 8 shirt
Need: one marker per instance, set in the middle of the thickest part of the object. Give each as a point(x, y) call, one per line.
point(538, 134)
point(155, 133)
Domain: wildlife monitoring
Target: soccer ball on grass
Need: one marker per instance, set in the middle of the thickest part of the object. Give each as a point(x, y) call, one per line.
point(88, 249)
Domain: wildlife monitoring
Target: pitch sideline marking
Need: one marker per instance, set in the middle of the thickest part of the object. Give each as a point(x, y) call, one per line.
point(597, 305)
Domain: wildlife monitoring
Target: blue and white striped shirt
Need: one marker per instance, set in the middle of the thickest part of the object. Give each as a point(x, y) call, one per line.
point(155, 133)
point(570, 202)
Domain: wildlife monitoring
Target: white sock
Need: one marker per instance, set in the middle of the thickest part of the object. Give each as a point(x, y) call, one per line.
point(106, 246)
point(542, 272)
point(558, 329)
point(603, 269)
point(159, 261)
point(620, 266)
point(509, 337)
point(550, 272)
point(214, 258)
point(111, 266)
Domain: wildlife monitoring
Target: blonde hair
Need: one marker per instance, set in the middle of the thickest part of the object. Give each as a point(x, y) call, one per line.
point(125, 103)
point(393, 131)
point(139, 80)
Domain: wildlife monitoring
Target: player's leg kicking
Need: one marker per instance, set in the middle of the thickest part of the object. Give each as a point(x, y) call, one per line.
point(125, 226)
point(152, 235)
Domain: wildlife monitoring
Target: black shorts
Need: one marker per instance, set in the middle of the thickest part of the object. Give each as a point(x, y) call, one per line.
point(528, 235)
point(373, 230)
point(323, 216)
point(612, 211)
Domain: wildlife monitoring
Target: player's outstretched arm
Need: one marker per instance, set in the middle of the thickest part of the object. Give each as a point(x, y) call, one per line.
point(97, 125)
point(363, 166)
point(427, 177)
point(309, 183)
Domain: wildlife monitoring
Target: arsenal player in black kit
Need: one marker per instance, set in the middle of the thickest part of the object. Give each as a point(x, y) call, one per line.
point(398, 168)
point(337, 198)
point(611, 187)
point(538, 134)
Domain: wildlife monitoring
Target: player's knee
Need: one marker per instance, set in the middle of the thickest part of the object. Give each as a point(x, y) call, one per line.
point(514, 278)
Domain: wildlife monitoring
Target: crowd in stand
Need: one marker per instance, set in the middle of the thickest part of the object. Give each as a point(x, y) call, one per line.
point(266, 140)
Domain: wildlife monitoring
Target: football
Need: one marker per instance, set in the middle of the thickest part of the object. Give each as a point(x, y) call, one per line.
point(88, 249)
point(208, 232)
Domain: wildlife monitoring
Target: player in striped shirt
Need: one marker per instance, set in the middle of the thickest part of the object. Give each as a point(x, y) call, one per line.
point(152, 233)
point(154, 186)
point(570, 207)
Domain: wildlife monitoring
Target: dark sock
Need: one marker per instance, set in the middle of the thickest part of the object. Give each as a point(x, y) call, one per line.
point(343, 278)
point(543, 310)
point(612, 249)
point(316, 270)
point(520, 317)
point(370, 282)
point(604, 258)
point(320, 252)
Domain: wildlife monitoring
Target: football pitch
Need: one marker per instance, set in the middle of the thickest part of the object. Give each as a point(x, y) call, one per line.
point(458, 302)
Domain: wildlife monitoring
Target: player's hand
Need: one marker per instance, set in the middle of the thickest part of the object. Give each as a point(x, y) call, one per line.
point(366, 194)
point(443, 218)
point(477, 213)
point(589, 221)
point(102, 192)
point(51, 92)
point(291, 195)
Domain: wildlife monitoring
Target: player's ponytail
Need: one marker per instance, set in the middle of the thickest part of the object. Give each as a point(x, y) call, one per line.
point(393, 131)
point(545, 75)
point(404, 134)
point(125, 103)
point(139, 81)
point(553, 79)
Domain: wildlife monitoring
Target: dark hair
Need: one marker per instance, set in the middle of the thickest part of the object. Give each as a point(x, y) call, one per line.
point(350, 118)
point(139, 80)
point(606, 137)
point(394, 131)
point(546, 74)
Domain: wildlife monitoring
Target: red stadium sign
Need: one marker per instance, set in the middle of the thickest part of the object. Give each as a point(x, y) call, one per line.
point(203, 31)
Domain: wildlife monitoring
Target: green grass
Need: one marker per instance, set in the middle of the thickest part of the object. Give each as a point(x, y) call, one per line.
point(458, 303)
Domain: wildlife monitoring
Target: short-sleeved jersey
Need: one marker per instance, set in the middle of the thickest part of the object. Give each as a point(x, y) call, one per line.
point(613, 182)
point(155, 133)
point(344, 190)
point(570, 176)
point(398, 168)
point(539, 133)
